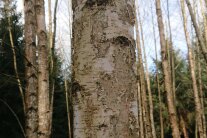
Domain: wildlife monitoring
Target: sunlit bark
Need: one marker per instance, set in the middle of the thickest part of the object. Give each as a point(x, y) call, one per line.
point(43, 72)
point(104, 84)
point(31, 122)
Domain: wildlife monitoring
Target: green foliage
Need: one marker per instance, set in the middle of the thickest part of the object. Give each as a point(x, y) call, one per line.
point(9, 92)
point(184, 95)
point(60, 122)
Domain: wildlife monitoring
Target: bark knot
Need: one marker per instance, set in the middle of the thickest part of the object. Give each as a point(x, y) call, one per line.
point(122, 41)
point(91, 3)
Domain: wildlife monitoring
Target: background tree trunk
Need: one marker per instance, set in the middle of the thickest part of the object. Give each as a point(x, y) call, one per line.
point(53, 62)
point(171, 54)
point(15, 65)
point(31, 122)
point(183, 127)
point(104, 81)
point(167, 79)
point(43, 73)
point(200, 85)
point(201, 95)
point(151, 117)
point(157, 80)
point(141, 74)
point(197, 30)
point(140, 114)
point(193, 75)
point(68, 102)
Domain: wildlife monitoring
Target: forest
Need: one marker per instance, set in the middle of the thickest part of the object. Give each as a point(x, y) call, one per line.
point(103, 68)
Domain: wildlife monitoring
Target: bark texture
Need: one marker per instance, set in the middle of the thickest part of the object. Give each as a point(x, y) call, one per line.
point(30, 70)
point(43, 73)
point(166, 72)
point(104, 80)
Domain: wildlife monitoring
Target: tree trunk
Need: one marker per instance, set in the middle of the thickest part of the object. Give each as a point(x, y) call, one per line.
point(50, 40)
point(141, 74)
point(193, 75)
point(139, 22)
point(171, 54)
point(158, 81)
point(199, 68)
point(197, 31)
point(9, 14)
point(139, 103)
point(196, 130)
point(43, 73)
point(201, 94)
point(204, 20)
point(31, 122)
point(167, 79)
point(183, 127)
point(15, 63)
point(205, 3)
point(140, 70)
point(68, 101)
point(104, 81)
point(53, 63)
point(50, 34)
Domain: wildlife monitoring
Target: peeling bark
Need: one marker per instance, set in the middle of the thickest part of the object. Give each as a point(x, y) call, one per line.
point(104, 81)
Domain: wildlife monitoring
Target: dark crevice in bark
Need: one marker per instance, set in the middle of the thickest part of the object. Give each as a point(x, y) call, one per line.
point(122, 41)
point(102, 126)
point(76, 87)
point(91, 3)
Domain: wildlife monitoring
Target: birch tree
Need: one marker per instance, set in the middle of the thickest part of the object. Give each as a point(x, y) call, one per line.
point(43, 72)
point(31, 70)
point(104, 81)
